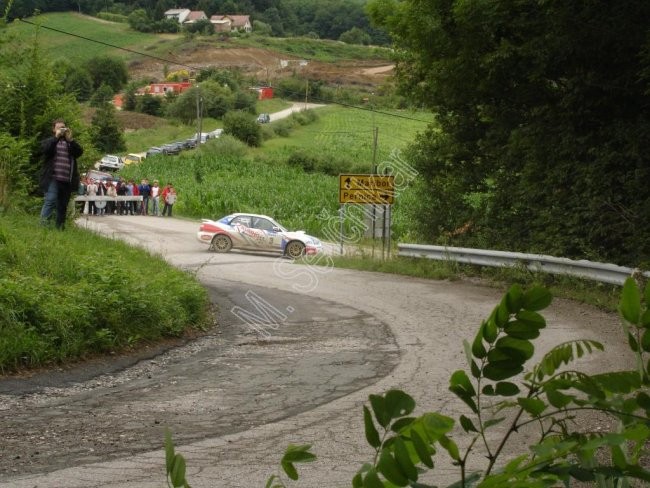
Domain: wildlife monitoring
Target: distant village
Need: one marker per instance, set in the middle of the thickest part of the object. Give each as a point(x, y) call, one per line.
point(221, 23)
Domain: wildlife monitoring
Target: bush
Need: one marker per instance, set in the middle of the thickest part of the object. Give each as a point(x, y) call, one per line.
point(226, 146)
point(244, 127)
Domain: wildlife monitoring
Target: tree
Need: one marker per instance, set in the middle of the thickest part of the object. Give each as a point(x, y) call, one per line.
point(149, 104)
point(105, 131)
point(107, 70)
point(355, 36)
point(542, 115)
point(103, 95)
point(244, 127)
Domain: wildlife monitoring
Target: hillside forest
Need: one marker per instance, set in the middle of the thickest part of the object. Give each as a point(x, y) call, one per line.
point(320, 19)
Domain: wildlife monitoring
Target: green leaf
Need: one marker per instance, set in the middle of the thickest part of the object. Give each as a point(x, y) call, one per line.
point(169, 451)
point(404, 460)
point(178, 471)
point(518, 349)
point(379, 409)
point(357, 481)
point(270, 481)
point(451, 447)
point(298, 454)
point(388, 467)
point(460, 378)
point(478, 350)
point(557, 399)
point(398, 404)
point(645, 317)
point(489, 423)
point(476, 371)
point(514, 299)
point(532, 319)
point(521, 330)
point(501, 315)
point(501, 370)
point(400, 424)
point(290, 469)
point(421, 449)
point(537, 298)
point(618, 457)
point(467, 424)
point(630, 303)
point(505, 388)
point(533, 406)
point(371, 480)
point(372, 436)
point(643, 400)
point(489, 390)
point(490, 331)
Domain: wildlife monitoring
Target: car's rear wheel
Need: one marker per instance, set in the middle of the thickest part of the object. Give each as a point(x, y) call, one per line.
point(294, 249)
point(221, 243)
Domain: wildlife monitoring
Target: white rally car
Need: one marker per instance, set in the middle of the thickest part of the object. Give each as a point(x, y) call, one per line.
point(255, 233)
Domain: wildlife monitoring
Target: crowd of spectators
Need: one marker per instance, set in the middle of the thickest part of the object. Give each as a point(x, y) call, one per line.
point(156, 201)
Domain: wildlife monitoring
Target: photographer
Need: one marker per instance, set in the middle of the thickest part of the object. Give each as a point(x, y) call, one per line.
point(60, 176)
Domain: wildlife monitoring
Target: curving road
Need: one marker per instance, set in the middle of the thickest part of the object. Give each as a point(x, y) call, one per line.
point(296, 353)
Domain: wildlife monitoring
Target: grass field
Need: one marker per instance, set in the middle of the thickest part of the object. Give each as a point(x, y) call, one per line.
point(56, 43)
point(348, 134)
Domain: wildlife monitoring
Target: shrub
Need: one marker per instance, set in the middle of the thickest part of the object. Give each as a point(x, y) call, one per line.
point(244, 127)
point(226, 146)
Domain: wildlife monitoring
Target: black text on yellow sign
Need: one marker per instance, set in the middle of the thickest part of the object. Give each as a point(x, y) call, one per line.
point(366, 189)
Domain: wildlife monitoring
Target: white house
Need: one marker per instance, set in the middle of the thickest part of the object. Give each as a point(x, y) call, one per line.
point(178, 14)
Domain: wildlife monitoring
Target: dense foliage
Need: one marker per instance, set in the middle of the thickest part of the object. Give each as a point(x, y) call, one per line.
point(327, 19)
point(64, 295)
point(543, 113)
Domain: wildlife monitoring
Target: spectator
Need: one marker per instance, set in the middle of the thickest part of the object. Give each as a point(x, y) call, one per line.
point(111, 191)
point(121, 191)
point(155, 198)
point(145, 192)
point(129, 193)
point(60, 174)
point(91, 191)
point(169, 197)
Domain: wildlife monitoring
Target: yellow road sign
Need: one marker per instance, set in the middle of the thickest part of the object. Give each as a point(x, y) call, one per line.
point(366, 189)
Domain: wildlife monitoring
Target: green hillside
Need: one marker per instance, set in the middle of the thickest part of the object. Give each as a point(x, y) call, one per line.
point(70, 35)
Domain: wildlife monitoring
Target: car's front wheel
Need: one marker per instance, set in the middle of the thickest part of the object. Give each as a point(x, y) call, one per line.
point(221, 243)
point(294, 249)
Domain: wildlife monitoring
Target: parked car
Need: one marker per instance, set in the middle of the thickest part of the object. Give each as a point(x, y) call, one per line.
point(215, 134)
point(155, 150)
point(171, 148)
point(255, 233)
point(204, 137)
point(111, 162)
point(190, 143)
point(134, 158)
point(98, 175)
point(263, 118)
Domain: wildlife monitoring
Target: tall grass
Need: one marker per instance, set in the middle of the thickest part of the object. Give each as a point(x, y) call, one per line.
point(65, 295)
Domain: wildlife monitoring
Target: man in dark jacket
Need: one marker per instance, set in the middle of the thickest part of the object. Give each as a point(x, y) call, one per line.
point(60, 176)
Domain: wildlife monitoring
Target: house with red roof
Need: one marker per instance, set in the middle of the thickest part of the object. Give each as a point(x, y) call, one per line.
point(229, 23)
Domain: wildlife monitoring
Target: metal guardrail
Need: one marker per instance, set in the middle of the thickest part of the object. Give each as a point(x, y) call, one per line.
point(104, 198)
point(605, 273)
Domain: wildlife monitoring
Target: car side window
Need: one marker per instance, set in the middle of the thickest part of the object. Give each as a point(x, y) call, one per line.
point(263, 224)
point(242, 220)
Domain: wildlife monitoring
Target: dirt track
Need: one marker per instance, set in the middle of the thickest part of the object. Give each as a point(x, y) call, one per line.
point(234, 401)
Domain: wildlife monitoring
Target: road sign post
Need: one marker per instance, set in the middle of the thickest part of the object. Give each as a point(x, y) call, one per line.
point(366, 189)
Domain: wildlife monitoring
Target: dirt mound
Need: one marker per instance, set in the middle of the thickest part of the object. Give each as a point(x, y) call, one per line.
point(263, 64)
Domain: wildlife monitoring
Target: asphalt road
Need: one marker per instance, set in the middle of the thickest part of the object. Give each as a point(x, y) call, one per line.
point(323, 340)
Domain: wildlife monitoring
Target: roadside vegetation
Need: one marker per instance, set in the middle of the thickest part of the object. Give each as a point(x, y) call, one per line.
point(66, 296)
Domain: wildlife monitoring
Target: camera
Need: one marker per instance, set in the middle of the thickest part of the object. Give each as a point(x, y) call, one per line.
point(63, 131)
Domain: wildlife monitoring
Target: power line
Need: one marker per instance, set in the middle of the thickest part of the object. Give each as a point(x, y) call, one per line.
point(199, 69)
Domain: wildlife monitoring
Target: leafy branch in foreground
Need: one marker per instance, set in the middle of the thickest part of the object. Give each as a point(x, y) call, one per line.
point(550, 397)
point(293, 454)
